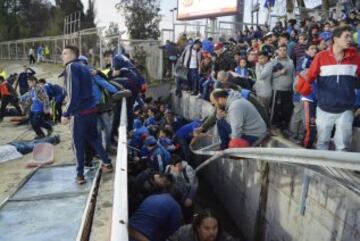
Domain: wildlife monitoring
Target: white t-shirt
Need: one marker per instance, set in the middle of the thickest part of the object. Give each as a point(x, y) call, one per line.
point(193, 60)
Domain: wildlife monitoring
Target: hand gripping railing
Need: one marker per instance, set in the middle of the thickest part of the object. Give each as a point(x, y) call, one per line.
point(119, 224)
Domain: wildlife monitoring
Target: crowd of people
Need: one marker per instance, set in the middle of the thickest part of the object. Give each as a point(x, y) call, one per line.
point(305, 77)
point(38, 54)
point(299, 82)
point(162, 181)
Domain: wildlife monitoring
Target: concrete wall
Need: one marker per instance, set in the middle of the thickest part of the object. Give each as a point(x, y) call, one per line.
point(265, 200)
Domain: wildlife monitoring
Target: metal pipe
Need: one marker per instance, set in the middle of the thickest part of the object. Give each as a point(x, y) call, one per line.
point(342, 160)
point(304, 193)
point(119, 224)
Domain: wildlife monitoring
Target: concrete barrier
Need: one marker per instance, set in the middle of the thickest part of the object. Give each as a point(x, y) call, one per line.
point(265, 199)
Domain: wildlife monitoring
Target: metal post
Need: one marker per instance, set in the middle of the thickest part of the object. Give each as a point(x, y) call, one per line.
point(16, 51)
point(55, 51)
point(252, 12)
point(65, 29)
point(173, 24)
point(79, 26)
point(213, 26)
point(206, 28)
point(80, 47)
point(70, 25)
point(9, 51)
point(101, 55)
point(304, 193)
point(257, 12)
point(24, 51)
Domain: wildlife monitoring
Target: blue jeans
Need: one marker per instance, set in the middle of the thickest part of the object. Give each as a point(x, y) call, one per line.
point(193, 79)
point(37, 120)
point(178, 83)
point(207, 88)
point(224, 131)
point(58, 107)
point(84, 131)
point(104, 125)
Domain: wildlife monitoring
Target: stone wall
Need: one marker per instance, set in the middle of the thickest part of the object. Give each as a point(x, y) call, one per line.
point(264, 199)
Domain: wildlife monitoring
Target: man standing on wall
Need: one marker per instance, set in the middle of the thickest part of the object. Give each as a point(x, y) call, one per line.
point(81, 112)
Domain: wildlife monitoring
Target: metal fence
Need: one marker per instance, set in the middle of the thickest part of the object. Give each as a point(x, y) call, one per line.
point(92, 44)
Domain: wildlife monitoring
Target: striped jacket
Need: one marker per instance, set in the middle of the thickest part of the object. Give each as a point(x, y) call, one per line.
point(185, 57)
point(336, 80)
point(78, 85)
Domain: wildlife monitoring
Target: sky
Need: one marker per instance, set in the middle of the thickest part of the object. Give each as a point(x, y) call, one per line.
point(106, 13)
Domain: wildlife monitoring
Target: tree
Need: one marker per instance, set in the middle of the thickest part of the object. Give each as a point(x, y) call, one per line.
point(113, 29)
point(303, 12)
point(325, 9)
point(27, 19)
point(89, 18)
point(23, 18)
point(142, 18)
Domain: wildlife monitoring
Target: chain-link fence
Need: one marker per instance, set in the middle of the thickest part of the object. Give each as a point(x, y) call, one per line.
point(146, 53)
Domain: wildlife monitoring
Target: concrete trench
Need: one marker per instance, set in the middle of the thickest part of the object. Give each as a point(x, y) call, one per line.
point(266, 201)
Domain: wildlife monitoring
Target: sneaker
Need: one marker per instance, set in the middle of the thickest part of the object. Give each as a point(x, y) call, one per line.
point(107, 168)
point(80, 180)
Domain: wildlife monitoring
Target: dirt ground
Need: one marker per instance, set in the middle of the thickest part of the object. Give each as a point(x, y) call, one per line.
point(14, 171)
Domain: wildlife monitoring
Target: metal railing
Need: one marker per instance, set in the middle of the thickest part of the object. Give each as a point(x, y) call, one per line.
point(120, 216)
point(342, 160)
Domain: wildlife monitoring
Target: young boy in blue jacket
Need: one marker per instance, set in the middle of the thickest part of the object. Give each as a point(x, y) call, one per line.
point(39, 107)
point(159, 156)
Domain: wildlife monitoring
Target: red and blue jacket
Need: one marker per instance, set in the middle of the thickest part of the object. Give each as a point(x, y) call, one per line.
point(337, 81)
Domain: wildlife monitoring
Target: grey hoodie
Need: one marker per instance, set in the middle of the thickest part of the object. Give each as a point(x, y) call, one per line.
point(283, 82)
point(243, 117)
point(262, 85)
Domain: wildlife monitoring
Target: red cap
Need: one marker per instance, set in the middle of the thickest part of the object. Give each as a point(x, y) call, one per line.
point(218, 46)
point(238, 143)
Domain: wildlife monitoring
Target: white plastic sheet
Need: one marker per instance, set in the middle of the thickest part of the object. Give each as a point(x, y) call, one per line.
point(9, 152)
